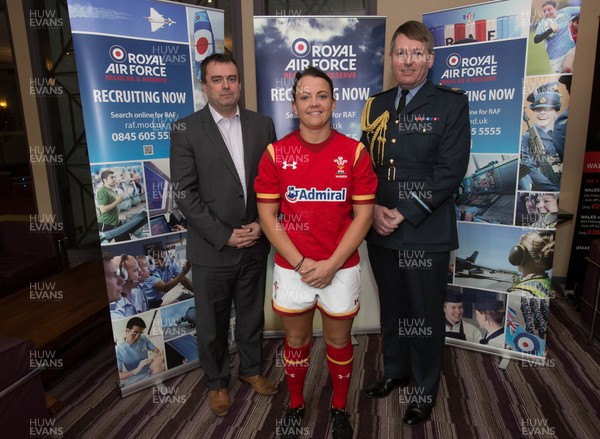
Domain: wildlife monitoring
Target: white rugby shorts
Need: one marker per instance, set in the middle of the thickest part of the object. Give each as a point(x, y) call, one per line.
point(340, 300)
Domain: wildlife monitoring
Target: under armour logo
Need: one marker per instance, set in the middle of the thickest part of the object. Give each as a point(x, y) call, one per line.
point(344, 376)
point(286, 164)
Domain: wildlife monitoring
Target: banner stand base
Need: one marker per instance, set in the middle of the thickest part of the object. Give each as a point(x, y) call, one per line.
point(503, 363)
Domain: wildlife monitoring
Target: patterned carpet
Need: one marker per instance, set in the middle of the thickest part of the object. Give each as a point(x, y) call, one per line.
point(476, 400)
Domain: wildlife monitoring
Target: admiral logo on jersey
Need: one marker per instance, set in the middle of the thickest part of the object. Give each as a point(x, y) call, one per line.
point(293, 194)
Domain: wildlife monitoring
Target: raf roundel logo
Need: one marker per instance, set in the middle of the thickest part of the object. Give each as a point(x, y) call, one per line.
point(301, 47)
point(118, 54)
point(453, 60)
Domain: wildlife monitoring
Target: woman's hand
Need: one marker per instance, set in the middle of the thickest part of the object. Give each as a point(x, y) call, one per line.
point(317, 274)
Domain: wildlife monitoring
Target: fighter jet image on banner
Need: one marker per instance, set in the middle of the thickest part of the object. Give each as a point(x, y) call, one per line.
point(157, 21)
point(466, 267)
point(482, 260)
point(468, 264)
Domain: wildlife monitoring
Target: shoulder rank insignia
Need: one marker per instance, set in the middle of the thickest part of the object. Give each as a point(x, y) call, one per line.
point(451, 89)
point(384, 91)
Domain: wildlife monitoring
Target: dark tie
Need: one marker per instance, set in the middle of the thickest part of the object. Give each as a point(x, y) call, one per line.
point(402, 102)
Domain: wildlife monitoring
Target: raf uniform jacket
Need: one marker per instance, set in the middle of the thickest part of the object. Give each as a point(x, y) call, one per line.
point(207, 187)
point(429, 144)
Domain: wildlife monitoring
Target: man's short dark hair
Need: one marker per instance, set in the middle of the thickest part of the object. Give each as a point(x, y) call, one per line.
point(105, 174)
point(314, 72)
point(158, 248)
point(549, 2)
point(414, 30)
point(136, 321)
point(222, 58)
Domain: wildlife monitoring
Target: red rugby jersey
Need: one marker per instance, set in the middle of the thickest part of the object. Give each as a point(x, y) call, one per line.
point(316, 186)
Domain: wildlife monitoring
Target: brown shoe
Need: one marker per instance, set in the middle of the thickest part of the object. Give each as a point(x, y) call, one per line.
point(260, 384)
point(219, 401)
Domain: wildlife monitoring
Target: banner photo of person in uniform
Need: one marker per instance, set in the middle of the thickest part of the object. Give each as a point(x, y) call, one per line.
point(460, 316)
point(537, 210)
point(138, 70)
point(544, 126)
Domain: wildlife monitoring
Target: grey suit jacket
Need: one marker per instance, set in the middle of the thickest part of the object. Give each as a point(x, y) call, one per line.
point(207, 187)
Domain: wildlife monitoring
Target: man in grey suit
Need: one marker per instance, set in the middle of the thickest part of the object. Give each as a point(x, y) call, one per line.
point(214, 160)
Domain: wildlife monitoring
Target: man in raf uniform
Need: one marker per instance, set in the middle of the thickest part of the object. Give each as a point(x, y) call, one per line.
point(419, 138)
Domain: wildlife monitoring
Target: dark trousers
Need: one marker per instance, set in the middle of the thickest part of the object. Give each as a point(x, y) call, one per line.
point(215, 288)
point(412, 289)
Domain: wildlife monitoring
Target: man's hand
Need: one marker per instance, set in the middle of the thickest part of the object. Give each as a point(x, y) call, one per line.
point(245, 237)
point(385, 220)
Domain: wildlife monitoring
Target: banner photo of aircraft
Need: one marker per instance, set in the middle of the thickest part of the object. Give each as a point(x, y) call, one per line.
point(157, 21)
point(468, 267)
point(144, 19)
point(481, 261)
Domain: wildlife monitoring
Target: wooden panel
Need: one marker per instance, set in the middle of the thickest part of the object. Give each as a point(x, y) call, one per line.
point(48, 322)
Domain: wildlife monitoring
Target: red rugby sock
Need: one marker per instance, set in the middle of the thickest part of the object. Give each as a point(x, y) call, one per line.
point(340, 370)
point(295, 363)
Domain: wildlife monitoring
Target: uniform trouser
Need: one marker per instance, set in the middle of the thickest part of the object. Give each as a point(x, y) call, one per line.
point(412, 289)
point(214, 290)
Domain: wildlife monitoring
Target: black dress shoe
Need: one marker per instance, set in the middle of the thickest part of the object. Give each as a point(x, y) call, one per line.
point(383, 387)
point(417, 414)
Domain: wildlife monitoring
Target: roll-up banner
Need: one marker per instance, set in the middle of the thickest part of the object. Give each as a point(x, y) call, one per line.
point(138, 64)
point(514, 59)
